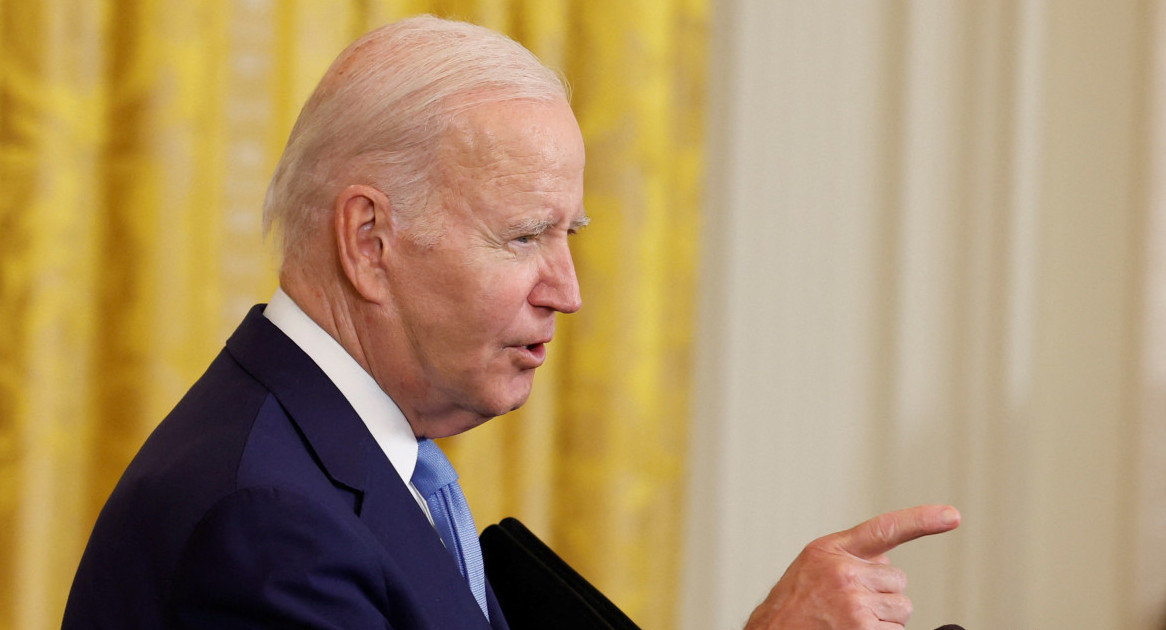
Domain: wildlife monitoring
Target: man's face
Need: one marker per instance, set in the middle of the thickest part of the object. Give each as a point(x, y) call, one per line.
point(477, 308)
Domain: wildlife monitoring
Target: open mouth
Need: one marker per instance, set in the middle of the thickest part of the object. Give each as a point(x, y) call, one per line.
point(537, 353)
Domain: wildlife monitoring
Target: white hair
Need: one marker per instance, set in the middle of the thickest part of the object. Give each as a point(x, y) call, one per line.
point(378, 113)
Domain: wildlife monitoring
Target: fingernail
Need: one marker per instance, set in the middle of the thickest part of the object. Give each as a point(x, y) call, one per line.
point(950, 516)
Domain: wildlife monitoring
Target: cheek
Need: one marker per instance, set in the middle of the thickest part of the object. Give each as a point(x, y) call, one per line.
point(483, 309)
point(506, 295)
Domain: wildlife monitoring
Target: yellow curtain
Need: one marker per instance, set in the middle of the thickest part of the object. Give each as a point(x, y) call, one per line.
point(136, 139)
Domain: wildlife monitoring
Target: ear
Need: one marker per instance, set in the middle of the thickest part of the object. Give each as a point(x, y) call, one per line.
point(362, 229)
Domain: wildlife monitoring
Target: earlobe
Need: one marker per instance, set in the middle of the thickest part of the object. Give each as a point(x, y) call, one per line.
point(361, 225)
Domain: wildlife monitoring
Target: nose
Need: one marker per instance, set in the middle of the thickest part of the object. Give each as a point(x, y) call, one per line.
point(558, 287)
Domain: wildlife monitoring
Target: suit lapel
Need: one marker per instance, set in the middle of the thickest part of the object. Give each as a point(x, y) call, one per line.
point(336, 435)
point(391, 512)
point(351, 457)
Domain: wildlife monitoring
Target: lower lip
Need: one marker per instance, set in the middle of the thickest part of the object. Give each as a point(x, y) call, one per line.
point(536, 353)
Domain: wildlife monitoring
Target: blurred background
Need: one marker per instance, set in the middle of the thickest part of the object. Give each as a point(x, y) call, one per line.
point(846, 257)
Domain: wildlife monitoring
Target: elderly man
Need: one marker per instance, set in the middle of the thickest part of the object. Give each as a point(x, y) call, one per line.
point(425, 201)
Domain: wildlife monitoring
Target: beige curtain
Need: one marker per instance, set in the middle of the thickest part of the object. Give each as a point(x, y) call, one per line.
point(938, 274)
point(135, 143)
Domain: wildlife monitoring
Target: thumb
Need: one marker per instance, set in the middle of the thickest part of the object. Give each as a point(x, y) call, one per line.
point(872, 538)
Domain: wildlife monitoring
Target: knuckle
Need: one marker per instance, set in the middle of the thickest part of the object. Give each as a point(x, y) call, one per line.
point(896, 608)
point(900, 578)
point(839, 572)
point(843, 576)
point(821, 545)
point(855, 610)
point(885, 528)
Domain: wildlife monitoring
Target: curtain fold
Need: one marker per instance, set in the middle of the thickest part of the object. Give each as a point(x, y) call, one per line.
point(136, 139)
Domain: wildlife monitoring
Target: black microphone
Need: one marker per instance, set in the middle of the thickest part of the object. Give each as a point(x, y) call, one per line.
point(950, 626)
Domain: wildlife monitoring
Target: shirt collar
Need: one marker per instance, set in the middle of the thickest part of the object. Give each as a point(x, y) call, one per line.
point(380, 414)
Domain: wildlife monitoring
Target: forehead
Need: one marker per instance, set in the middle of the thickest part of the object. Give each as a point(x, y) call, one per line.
point(514, 138)
point(507, 164)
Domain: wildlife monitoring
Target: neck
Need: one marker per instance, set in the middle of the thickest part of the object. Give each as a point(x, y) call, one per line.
point(355, 324)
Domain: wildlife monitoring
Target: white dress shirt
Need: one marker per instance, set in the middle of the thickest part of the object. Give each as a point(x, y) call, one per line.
point(380, 414)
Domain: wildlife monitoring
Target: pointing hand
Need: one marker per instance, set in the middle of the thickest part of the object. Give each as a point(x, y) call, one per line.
point(845, 581)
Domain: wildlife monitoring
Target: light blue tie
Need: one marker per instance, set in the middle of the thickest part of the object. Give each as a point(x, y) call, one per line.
point(436, 480)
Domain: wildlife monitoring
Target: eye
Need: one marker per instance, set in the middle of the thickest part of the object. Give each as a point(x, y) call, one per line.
point(524, 239)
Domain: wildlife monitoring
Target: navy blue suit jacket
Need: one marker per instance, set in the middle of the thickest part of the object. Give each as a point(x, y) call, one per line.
point(262, 501)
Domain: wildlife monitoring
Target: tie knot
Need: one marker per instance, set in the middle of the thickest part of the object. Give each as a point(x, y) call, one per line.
point(433, 470)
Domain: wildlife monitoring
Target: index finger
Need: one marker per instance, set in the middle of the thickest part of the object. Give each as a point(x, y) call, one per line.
point(885, 532)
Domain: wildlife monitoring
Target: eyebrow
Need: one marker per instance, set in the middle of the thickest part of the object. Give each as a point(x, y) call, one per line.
point(538, 226)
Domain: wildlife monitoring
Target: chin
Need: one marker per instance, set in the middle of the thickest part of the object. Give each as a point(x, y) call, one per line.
point(508, 401)
point(504, 407)
point(508, 396)
point(477, 403)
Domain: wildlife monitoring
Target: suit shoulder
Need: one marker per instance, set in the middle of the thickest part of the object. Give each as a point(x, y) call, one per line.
point(276, 554)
